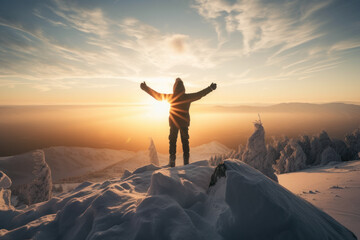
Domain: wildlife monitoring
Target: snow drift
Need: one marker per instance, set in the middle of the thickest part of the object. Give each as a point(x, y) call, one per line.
point(175, 203)
point(30, 175)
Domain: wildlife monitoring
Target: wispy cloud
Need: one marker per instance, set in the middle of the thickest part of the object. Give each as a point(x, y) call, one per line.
point(62, 44)
point(265, 24)
point(346, 45)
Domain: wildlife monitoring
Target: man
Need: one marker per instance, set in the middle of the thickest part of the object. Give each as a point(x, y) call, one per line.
point(179, 118)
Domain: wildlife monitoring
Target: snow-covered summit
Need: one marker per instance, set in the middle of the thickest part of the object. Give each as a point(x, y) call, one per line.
point(175, 203)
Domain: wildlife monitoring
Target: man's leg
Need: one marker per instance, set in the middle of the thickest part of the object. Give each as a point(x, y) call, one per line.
point(172, 145)
point(185, 144)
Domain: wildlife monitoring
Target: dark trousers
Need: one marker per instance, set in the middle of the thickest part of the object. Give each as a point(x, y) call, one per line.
point(184, 134)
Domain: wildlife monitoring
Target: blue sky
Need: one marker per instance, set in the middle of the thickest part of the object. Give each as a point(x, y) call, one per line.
point(257, 51)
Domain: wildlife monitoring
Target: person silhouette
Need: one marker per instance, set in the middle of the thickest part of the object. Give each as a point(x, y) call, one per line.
point(179, 117)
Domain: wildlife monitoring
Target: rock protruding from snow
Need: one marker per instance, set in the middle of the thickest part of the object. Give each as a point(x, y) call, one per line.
point(329, 155)
point(255, 152)
point(175, 203)
point(5, 193)
point(153, 153)
point(31, 177)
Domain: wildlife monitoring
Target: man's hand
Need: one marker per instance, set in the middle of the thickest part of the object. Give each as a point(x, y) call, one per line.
point(213, 86)
point(143, 85)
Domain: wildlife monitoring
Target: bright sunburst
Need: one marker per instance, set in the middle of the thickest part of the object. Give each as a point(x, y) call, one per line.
point(160, 108)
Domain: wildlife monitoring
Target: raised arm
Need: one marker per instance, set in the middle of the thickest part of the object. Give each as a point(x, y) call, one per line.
point(152, 92)
point(198, 95)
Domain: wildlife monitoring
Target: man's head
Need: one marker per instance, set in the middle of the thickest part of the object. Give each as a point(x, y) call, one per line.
point(179, 87)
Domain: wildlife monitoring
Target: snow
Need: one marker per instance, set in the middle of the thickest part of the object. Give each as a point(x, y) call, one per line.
point(67, 162)
point(5, 193)
point(255, 153)
point(30, 175)
point(175, 203)
point(5, 181)
point(79, 164)
point(332, 188)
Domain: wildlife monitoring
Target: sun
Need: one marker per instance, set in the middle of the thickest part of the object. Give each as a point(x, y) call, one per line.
point(160, 108)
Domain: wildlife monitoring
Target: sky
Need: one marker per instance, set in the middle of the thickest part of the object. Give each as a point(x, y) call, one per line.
point(257, 51)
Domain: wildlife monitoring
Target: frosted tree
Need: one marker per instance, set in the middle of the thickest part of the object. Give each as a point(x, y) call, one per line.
point(341, 148)
point(292, 158)
point(41, 187)
point(353, 141)
point(153, 153)
point(297, 160)
point(305, 145)
point(271, 154)
point(255, 152)
point(278, 143)
point(329, 155)
point(318, 145)
point(5, 192)
point(219, 159)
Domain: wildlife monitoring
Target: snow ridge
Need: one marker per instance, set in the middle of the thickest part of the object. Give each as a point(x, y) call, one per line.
point(175, 203)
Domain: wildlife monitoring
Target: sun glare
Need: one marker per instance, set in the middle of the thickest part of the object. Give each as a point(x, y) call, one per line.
point(160, 108)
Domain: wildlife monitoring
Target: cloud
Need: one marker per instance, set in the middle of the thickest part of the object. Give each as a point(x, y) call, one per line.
point(178, 43)
point(58, 44)
point(265, 24)
point(166, 50)
point(345, 45)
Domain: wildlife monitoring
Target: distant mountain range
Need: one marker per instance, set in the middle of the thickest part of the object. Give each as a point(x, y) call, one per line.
point(296, 107)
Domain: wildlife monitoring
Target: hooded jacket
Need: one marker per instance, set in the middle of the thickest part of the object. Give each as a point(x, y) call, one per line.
point(179, 102)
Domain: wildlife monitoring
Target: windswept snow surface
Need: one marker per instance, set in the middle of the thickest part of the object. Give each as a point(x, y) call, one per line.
point(176, 203)
point(334, 188)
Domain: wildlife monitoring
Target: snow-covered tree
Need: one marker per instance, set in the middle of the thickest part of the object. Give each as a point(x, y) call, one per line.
point(33, 183)
point(271, 154)
point(353, 141)
point(5, 192)
point(342, 149)
point(41, 187)
point(255, 152)
point(292, 158)
point(305, 145)
point(219, 159)
point(329, 155)
point(153, 153)
point(318, 145)
point(279, 144)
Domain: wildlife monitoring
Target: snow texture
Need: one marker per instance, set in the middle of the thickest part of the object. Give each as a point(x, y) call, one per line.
point(31, 177)
point(153, 153)
point(255, 153)
point(175, 203)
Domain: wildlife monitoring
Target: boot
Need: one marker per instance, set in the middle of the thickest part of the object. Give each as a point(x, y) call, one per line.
point(186, 157)
point(172, 159)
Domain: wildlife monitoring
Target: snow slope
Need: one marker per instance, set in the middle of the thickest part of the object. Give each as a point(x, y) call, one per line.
point(75, 164)
point(332, 188)
point(67, 162)
point(176, 203)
